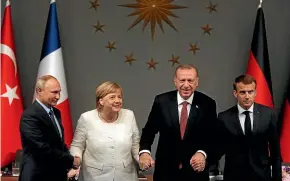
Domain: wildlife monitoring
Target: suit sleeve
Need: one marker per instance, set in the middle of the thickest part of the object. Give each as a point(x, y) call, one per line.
point(274, 145)
point(33, 136)
point(79, 141)
point(209, 131)
point(219, 140)
point(151, 127)
point(135, 139)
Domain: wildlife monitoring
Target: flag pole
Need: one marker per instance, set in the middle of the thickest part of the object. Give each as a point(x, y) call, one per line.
point(260, 4)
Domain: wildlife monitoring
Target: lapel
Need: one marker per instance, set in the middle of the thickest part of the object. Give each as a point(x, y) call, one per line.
point(193, 116)
point(47, 120)
point(58, 119)
point(256, 116)
point(235, 118)
point(256, 119)
point(173, 109)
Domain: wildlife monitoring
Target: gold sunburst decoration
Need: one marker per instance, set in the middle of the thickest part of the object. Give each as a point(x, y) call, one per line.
point(153, 11)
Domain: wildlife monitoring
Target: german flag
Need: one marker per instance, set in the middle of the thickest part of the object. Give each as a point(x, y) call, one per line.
point(258, 65)
point(285, 129)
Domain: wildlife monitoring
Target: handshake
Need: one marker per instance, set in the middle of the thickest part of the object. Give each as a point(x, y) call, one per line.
point(77, 161)
point(146, 161)
point(74, 171)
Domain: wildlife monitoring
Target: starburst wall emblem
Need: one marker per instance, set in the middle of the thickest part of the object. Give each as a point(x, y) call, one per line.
point(153, 12)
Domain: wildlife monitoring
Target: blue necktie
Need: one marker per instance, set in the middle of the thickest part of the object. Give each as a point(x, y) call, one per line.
point(51, 115)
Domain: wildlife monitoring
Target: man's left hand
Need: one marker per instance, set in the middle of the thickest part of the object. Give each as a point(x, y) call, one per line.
point(197, 162)
point(71, 173)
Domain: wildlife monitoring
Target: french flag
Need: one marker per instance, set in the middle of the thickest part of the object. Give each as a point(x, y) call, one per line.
point(51, 63)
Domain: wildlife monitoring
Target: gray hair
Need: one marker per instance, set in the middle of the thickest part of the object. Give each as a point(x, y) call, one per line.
point(186, 66)
point(41, 81)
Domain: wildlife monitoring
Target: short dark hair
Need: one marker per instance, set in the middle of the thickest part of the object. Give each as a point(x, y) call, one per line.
point(245, 79)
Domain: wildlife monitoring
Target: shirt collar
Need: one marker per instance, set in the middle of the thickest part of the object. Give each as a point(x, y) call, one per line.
point(44, 106)
point(180, 100)
point(242, 110)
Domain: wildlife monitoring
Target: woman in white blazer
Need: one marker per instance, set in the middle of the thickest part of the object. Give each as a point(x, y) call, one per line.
point(107, 138)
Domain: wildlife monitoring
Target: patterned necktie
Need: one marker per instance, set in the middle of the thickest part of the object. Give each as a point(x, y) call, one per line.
point(248, 126)
point(183, 118)
point(56, 125)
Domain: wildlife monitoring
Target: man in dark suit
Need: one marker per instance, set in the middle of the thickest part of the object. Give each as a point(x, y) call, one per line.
point(184, 120)
point(45, 155)
point(248, 132)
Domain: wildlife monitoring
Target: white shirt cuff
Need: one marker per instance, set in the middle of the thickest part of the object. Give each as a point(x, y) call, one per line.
point(144, 151)
point(204, 154)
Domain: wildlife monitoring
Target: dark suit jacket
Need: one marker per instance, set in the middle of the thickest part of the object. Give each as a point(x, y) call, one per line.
point(171, 150)
point(45, 156)
point(248, 159)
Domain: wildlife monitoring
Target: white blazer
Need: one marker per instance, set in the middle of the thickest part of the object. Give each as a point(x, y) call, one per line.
point(107, 149)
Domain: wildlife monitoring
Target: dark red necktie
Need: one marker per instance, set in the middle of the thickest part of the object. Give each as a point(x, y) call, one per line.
point(183, 118)
point(183, 121)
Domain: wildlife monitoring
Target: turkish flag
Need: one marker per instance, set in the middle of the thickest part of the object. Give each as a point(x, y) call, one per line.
point(11, 101)
point(258, 65)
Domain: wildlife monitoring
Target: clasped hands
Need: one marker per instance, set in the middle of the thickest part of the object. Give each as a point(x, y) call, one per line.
point(146, 161)
point(76, 167)
point(197, 161)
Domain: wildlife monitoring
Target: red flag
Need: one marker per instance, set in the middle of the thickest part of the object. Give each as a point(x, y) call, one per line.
point(51, 63)
point(11, 101)
point(285, 130)
point(258, 65)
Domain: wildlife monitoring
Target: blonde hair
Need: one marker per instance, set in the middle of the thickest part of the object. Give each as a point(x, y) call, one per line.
point(104, 89)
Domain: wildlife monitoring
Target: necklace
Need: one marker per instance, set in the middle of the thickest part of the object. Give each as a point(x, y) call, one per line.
point(106, 120)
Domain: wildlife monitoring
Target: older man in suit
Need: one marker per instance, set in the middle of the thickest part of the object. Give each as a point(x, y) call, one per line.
point(45, 155)
point(184, 119)
point(248, 132)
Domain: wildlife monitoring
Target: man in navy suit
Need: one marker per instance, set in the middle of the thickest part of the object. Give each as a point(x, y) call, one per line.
point(248, 131)
point(45, 155)
point(184, 119)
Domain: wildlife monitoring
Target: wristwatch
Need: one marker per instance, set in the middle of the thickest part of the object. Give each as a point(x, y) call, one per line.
point(75, 167)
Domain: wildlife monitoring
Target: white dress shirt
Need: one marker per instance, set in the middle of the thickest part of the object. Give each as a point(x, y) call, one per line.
point(242, 116)
point(180, 100)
